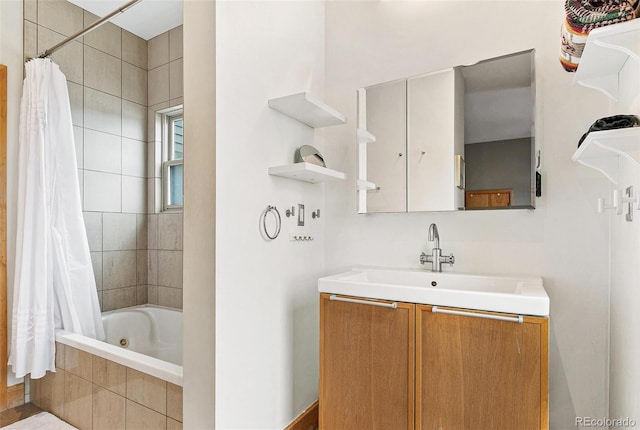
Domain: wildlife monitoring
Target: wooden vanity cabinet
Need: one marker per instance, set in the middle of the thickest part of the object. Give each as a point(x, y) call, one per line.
point(478, 373)
point(366, 365)
point(408, 367)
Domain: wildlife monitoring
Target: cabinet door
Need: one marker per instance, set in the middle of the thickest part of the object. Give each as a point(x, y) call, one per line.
point(500, 199)
point(435, 134)
point(386, 160)
point(477, 373)
point(477, 200)
point(366, 365)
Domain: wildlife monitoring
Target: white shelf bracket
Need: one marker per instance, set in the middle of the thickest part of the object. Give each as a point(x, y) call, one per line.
point(364, 136)
point(615, 205)
point(364, 185)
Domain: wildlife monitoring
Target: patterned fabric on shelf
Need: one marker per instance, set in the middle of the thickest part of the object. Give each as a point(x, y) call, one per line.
point(582, 16)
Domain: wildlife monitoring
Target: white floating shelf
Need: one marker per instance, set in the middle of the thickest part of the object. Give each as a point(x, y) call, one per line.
point(605, 53)
point(601, 150)
point(364, 136)
point(364, 185)
point(308, 110)
point(307, 172)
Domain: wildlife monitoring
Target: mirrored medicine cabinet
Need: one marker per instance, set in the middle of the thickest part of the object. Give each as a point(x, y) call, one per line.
point(462, 138)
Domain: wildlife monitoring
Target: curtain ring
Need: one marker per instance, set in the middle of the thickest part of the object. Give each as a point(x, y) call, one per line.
point(276, 214)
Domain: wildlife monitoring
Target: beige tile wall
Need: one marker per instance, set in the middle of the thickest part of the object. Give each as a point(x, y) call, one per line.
point(164, 230)
point(92, 393)
point(107, 78)
point(117, 81)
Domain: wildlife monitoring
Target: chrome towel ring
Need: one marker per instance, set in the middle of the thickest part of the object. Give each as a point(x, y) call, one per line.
point(276, 214)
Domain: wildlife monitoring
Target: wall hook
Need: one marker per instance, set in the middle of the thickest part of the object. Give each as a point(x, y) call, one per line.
point(315, 214)
point(290, 212)
point(602, 206)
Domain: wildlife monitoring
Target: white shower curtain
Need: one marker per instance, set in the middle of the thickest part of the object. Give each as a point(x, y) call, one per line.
point(54, 286)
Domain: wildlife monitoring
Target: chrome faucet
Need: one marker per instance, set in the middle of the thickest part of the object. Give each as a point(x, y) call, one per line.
point(434, 236)
point(436, 258)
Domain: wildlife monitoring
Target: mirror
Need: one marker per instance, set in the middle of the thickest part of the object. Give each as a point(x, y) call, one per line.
point(462, 138)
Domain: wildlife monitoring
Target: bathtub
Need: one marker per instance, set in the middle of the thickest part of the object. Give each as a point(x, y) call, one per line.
point(147, 338)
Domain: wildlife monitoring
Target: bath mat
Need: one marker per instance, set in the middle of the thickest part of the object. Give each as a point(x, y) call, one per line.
point(41, 421)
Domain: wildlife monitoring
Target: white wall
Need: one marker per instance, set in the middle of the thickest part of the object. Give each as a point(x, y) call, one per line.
point(199, 215)
point(563, 240)
point(624, 375)
point(266, 296)
point(625, 299)
point(11, 56)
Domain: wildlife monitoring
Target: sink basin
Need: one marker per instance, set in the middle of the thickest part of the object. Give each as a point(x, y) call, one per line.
point(511, 294)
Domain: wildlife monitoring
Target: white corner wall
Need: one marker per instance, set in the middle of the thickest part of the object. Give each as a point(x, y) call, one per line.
point(625, 299)
point(564, 240)
point(266, 297)
point(199, 215)
point(624, 368)
point(11, 56)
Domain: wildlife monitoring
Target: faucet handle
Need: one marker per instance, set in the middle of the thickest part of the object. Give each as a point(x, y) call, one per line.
point(423, 258)
point(450, 259)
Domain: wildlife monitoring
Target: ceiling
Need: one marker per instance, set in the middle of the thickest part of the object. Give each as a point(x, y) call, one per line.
point(146, 19)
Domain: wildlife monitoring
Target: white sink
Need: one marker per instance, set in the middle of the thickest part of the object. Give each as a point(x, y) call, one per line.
point(512, 294)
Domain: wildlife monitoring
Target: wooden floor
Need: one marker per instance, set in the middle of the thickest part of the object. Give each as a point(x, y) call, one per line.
point(18, 413)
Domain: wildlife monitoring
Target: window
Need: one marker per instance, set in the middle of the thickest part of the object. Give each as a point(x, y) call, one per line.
point(172, 159)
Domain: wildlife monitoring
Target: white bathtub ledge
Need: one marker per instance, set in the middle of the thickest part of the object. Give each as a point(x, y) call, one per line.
point(160, 369)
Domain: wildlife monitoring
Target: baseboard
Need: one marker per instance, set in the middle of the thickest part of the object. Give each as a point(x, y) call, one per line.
point(307, 420)
point(15, 396)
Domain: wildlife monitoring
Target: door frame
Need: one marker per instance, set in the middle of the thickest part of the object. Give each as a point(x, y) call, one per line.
point(3, 237)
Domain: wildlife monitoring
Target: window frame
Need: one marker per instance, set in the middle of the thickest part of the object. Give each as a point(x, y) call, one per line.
point(169, 117)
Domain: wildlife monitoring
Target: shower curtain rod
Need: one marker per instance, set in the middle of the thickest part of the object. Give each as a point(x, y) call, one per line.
point(92, 27)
